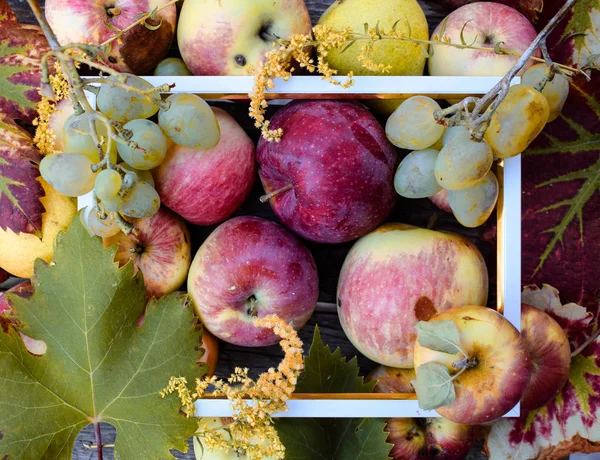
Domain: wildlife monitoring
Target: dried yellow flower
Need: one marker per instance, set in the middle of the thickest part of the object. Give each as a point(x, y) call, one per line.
point(250, 431)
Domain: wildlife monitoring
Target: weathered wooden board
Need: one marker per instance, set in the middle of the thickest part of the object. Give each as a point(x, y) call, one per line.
point(329, 257)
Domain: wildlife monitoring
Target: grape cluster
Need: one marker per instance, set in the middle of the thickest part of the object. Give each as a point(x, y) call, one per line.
point(115, 161)
point(451, 158)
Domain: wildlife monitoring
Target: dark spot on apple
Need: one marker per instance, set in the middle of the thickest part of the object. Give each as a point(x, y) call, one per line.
point(424, 309)
point(251, 304)
point(339, 303)
point(240, 60)
point(112, 59)
point(489, 40)
point(1, 435)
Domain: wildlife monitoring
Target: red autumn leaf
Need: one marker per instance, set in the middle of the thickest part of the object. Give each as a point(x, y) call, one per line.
point(20, 206)
point(576, 40)
point(21, 50)
point(561, 200)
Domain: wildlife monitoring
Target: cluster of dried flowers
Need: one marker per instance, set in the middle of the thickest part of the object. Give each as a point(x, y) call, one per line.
point(250, 431)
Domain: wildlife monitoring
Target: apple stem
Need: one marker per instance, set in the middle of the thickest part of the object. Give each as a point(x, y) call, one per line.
point(269, 196)
point(465, 363)
point(585, 344)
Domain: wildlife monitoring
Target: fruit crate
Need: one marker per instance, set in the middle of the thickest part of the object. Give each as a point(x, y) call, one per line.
point(508, 257)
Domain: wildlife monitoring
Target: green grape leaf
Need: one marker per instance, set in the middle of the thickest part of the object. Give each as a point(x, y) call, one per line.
point(439, 336)
point(332, 439)
point(21, 50)
point(433, 386)
point(580, 36)
point(99, 365)
point(561, 199)
point(20, 192)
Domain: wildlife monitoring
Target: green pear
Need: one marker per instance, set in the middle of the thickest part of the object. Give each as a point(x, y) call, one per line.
point(404, 57)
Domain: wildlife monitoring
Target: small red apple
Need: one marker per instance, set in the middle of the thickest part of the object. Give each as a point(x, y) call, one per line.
point(93, 22)
point(332, 171)
point(211, 351)
point(498, 369)
point(420, 438)
point(25, 290)
point(160, 249)
point(550, 352)
point(250, 267)
point(205, 187)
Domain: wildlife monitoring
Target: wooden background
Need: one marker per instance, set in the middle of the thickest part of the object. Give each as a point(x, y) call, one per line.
point(329, 258)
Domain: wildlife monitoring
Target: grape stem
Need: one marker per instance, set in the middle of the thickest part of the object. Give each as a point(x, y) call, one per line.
point(478, 121)
point(98, 434)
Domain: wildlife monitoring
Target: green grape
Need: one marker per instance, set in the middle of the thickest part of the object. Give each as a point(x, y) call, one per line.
point(108, 183)
point(112, 204)
point(104, 228)
point(142, 176)
point(474, 205)
point(414, 177)
point(141, 201)
point(148, 136)
point(77, 138)
point(412, 125)
point(518, 120)
point(189, 121)
point(172, 67)
point(121, 105)
point(462, 162)
point(68, 173)
point(555, 91)
point(451, 132)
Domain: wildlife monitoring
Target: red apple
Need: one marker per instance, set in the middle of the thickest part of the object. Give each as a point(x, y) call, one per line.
point(483, 24)
point(392, 380)
point(205, 187)
point(332, 172)
point(399, 275)
point(499, 365)
point(227, 37)
point(211, 351)
point(137, 51)
point(25, 290)
point(251, 267)
point(440, 199)
point(550, 352)
point(420, 438)
point(160, 249)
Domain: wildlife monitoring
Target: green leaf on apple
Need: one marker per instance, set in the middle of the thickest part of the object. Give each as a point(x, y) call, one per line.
point(434, 386)
point(99, 365)
point(439, 336)
point(332, 439)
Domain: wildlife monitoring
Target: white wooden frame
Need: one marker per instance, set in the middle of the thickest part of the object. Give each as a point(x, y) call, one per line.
point(380, 87)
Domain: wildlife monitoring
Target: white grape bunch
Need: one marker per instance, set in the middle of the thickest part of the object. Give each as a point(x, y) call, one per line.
point(189, 121)
point(151, 145)
point(463, 162)
point(473, 206)
point(124, 105)
point(555, 91)
point(68, 173)
point(412, 126)
point(414, 177)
